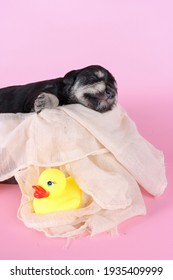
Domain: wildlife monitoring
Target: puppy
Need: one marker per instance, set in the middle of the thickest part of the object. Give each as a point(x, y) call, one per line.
point(92, 86)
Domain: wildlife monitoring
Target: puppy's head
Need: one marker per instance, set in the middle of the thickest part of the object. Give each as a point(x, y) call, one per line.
point(93, 87)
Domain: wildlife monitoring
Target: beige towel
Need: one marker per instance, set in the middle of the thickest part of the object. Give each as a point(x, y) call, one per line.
point(103, 152)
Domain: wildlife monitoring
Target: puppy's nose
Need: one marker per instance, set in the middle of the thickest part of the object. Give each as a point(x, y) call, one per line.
point(110, 94)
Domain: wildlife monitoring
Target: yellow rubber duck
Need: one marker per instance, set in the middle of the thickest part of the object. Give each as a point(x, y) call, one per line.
point(56, 192)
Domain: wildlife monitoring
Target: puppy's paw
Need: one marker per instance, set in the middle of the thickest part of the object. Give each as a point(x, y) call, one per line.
point(45, 101)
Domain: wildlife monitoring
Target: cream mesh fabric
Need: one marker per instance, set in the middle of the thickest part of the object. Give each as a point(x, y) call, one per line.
point(103, 152)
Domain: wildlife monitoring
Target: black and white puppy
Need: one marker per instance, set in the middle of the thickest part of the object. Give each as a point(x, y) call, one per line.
point(92, 86)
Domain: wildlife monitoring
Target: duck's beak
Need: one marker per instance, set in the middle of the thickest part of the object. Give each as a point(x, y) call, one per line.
point(40, 192)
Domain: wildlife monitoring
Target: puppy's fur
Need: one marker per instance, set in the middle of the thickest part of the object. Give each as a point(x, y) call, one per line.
point(92, 86)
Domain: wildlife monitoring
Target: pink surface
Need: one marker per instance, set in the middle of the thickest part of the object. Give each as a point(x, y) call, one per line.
point(133, 39)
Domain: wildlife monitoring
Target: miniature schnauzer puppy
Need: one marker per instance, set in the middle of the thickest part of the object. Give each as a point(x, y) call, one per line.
point(92, 86)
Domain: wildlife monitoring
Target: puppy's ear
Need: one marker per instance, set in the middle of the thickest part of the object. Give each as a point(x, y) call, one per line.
point(70, 77)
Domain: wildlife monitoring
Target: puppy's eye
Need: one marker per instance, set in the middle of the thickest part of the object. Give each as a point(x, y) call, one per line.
point(92, 79)
point(50, 183)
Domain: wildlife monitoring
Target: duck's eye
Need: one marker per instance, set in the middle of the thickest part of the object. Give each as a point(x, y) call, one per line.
point(50, 183)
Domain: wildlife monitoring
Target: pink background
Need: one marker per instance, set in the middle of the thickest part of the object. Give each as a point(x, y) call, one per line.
point(46, 38)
